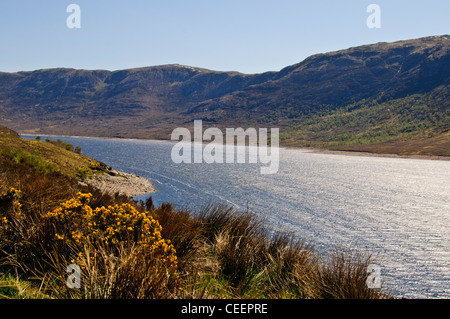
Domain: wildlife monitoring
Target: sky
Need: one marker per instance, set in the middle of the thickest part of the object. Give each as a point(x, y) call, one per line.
point(249, 36)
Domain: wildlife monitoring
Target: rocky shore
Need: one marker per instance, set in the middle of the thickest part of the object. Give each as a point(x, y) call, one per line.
point(127, 184)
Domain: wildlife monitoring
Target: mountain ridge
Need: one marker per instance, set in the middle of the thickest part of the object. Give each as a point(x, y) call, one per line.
point(149, 102)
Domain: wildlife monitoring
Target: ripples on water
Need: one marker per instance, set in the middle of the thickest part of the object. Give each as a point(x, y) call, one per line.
point(397, 209)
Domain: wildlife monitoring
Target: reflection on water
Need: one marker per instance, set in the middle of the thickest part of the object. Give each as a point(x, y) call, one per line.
point(397, 209)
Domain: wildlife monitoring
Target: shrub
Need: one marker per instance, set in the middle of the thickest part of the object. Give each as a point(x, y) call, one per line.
point(120, 249)
point(10, 199)
point(10, 212)
point(74, 221)
point(82, 173)
point(33, 160)
point(64, 145)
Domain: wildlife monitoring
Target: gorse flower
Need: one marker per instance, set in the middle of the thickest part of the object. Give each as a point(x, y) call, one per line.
point(10, 199)
point(114, 225)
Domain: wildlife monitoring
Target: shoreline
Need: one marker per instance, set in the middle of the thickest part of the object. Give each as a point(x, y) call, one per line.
point(369, 154)
point(98, 137)
point(113, 181)
point(127, 184)
point(308, 149)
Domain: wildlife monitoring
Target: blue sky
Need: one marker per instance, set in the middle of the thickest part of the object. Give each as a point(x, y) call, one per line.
point(240, 35)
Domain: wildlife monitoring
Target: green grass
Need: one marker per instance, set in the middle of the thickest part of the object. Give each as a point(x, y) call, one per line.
point(49, 157)
point(31, 159)
point(12, 287)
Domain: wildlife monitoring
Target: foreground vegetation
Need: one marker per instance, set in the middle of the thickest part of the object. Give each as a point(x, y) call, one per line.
point(128, 249)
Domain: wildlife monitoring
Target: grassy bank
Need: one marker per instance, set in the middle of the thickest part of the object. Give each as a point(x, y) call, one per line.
point(127, 249)
point(49, 156)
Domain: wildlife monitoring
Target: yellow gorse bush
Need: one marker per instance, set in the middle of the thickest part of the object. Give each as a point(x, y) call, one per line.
point(13, 195)
point(9, 201)
point(114, 225)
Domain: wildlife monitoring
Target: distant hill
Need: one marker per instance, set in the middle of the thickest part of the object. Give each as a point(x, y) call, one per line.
point(373, 97)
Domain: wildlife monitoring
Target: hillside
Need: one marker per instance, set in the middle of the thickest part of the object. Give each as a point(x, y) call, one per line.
point(60, 159)
point(48, 156)
point(393, 93)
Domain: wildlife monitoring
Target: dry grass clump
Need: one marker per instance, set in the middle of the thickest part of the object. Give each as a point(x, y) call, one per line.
point(230, 254)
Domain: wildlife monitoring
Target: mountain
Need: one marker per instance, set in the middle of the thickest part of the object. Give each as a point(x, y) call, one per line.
point(394, 93)
point(110, 103)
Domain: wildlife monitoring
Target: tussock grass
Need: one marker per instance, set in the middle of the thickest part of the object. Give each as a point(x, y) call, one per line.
point(232, 255)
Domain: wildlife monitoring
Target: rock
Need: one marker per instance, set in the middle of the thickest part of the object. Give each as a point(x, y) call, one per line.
point(123, 183)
